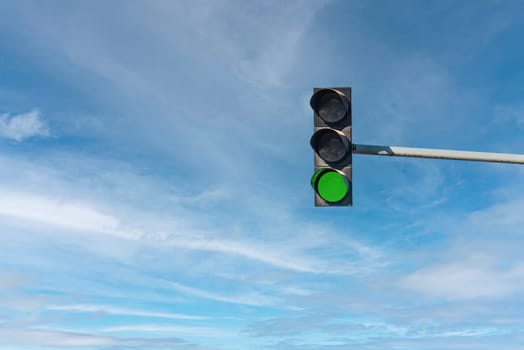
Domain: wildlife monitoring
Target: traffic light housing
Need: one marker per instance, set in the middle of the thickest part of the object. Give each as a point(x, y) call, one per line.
point(331, 142)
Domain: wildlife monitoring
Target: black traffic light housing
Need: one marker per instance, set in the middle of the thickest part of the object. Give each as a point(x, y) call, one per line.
point(331, 141)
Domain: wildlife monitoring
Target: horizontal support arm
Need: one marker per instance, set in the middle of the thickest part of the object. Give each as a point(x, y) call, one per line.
point(438, 153)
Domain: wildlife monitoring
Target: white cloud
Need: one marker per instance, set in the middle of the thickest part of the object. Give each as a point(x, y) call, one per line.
point(466, 280)
point(122, 311)
point(54, 338)
point(10, 280)
point(483, 259)
point(41, 337)
point(24, 303)
point(253, 299)
point(258, 42)
point(59, 212)
point(501, 218)
point(21, 126)
point(177, 330)
point(254, 251)
point(296, 291)
point(55, 211)
point(64, 213)
point(269, 55)
point(475, 332)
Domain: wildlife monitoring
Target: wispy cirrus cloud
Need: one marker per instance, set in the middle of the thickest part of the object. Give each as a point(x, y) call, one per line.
point(68, 214)
point(257, 251)
point(465, 280)
point(70, 339)
point(55, 211)
point(40, 337)
point(19, 127)
point(60, 212)
point(11, 280)
point(253, 299)
point(111, 310)
point(172, 329)
point(481, 260)
point(504, 217)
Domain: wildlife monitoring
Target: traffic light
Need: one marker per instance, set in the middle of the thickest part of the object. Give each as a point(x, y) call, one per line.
point(331, 142)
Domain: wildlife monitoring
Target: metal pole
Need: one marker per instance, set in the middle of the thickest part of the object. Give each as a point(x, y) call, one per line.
point(438, 153)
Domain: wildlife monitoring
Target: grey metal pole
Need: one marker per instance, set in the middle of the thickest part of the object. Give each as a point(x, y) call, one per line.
point(438, 153)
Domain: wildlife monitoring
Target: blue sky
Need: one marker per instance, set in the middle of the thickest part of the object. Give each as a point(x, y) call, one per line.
point(155, 165)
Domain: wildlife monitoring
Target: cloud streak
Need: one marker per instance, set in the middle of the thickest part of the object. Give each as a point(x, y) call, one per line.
point(110, 310)
point(19, 127)
point(458, 281)
point(54, 211)
point(67, 339)
point(172, 329)
point(253, 299)
point(66, 214)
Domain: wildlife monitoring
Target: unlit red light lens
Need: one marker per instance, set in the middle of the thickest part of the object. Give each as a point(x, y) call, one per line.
point(329, 105)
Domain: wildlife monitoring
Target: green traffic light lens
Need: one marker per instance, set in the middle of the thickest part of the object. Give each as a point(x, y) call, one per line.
point(331, 185)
